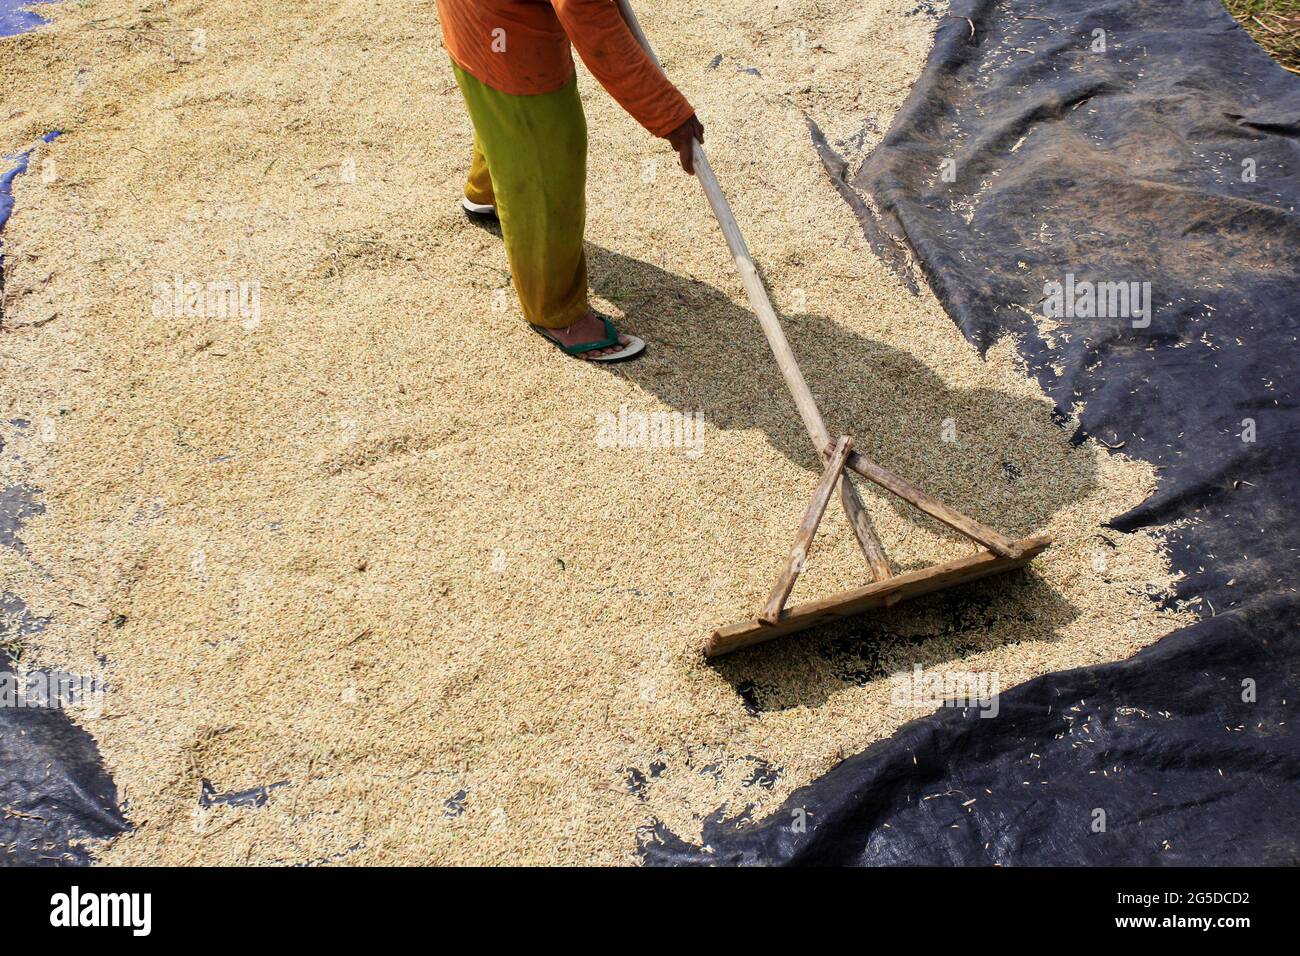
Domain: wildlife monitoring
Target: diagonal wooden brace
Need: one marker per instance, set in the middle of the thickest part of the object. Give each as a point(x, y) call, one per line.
point(807, 529)
point(998, 543)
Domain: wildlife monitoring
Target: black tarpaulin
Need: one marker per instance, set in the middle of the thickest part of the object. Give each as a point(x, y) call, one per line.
point(1055, 145)
point(54, 792)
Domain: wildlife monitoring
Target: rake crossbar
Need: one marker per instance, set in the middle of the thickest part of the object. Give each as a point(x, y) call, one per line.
point(880, 594)
point(775, 619)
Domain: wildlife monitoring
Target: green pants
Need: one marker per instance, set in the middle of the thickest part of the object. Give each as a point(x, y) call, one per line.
point(530, 161)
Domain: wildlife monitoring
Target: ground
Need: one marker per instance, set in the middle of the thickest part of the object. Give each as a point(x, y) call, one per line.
point(343, 527)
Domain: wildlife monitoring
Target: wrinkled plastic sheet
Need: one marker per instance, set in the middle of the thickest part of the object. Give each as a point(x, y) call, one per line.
point(1027, 154)
point(54, 792)
point(19, 16)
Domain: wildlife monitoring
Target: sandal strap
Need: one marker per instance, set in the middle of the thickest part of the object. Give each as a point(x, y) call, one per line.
point(611, 338)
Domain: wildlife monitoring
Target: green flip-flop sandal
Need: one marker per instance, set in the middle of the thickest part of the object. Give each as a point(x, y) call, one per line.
point(633, 348)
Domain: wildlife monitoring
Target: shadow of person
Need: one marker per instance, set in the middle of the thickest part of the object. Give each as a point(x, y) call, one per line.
point(708, 355)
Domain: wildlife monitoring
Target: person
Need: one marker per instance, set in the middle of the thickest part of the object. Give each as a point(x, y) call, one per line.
point(514, 66)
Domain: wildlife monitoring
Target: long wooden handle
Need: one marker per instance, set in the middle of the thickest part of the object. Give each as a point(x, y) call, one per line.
point(776, 340)
point(758, 300)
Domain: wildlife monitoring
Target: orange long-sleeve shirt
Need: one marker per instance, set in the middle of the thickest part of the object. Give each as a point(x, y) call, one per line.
point(522, 47)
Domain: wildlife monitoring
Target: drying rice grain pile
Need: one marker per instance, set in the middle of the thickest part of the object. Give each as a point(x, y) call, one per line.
point(373, 541)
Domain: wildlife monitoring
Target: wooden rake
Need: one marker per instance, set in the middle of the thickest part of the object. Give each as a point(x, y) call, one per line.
point(998, 553)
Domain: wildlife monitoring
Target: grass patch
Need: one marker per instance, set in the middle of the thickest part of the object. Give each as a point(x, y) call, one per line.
point(1274, 25)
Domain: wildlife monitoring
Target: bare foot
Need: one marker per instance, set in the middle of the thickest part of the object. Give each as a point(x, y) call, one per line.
point(589, 328)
